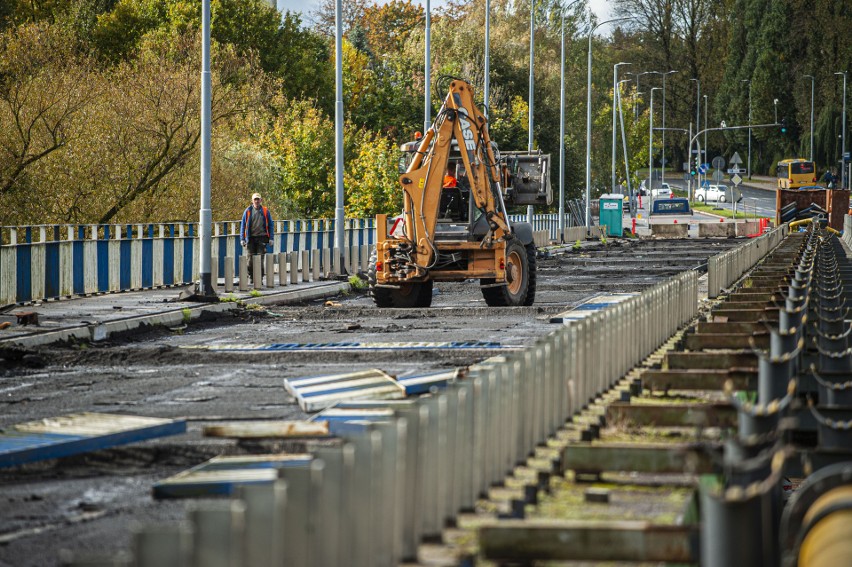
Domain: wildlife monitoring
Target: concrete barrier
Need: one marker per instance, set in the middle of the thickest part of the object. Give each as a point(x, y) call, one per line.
point(717, 230)
point(747, 228)
point(670, 230)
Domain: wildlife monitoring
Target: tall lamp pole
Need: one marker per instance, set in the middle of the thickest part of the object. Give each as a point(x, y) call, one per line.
point(697, 121)
point(748, 159)
point(427, 71)
point(843, 179)
point(624, 138)
point(487, 87)
point(205, 215)
point(663, 161)
point(339, 212)
point(706, 150)
point(614, 129)
point(589, 122)
point(811, 77)
point(532, 92)
point(561, 127)
point(651, 148)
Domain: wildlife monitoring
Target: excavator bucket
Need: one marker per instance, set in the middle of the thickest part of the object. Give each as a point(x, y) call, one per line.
point(528, 178)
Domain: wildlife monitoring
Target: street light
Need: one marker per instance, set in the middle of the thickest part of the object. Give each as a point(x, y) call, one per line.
point(531, 99)
point(843, 143)
point(697, 115)
point(811, 77)
point(748, 159)
point(589, 122)
point(663, 161)
point(562, 129)
point(614, 86)
point(775, 102)
point(651, 146)
point(624, 138)
point(706, 150)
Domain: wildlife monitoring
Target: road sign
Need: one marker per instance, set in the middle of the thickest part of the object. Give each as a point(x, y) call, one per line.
point(736, 180)
point(733, 170)
point(736, 159)
point(718, 175)
point(702, 169)
point(718, 162)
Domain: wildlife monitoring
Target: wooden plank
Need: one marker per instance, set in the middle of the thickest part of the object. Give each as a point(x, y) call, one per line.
point(657, 459)
point(697, 341)
point(710, 360)
point(584, 540)
point(268, 429)
point(320, 392)
point(71, 434)
point(221, 476)
point(672, 415)
point(699, 379)
point(746, 315)
point(711, 328)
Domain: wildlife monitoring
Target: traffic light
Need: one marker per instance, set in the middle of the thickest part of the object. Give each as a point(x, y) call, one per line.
point(783, 125)
point(693, 171)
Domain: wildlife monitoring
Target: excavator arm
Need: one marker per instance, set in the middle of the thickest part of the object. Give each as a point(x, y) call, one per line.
point(459, 119)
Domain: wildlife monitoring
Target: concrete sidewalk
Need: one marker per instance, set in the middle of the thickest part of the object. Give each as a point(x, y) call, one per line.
point(97, 317)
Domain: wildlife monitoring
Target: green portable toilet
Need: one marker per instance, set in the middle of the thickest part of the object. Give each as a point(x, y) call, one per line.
point(611, 212)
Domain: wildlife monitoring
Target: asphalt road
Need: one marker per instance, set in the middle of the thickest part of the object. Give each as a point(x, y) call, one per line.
point(91, 502)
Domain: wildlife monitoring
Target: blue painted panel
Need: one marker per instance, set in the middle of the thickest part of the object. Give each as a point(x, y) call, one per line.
point(169, 260)
point(124, 264)
point(103, 261)
point(17, 447)
point(23, 256)
point(186, 276)
point(297, 234)
point(147, 263)
point(213, 479)
point(51, 272)
point(78, 266)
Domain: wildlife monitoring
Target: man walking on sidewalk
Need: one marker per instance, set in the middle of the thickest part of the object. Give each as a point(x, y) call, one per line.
point(256, 229)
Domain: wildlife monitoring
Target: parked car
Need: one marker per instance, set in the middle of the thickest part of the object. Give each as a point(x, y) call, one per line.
point(662, 192)
point(714, 193)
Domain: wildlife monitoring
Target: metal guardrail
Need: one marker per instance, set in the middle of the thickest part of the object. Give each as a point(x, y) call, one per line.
point(727, 267)
point(370, 500)
point(56, 261)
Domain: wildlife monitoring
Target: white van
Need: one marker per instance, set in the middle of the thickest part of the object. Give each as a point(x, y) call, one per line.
point(714, 193)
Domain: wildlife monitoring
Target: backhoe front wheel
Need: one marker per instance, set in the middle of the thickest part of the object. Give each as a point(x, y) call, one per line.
point(520, 278)
point(418, 294)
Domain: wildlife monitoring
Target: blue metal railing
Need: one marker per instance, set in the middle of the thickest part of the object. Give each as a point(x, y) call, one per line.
point(54, 261)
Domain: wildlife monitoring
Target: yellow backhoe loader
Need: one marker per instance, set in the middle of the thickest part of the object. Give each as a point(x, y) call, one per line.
point(454, 226)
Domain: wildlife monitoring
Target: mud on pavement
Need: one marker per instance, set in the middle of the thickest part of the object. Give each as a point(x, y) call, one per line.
point(91, 501)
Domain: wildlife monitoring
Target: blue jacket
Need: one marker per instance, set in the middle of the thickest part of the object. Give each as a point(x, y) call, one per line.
point(245, 224)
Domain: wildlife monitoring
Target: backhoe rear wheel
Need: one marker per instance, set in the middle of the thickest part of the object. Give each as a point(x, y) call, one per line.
point(520, 278)
point(418, 294)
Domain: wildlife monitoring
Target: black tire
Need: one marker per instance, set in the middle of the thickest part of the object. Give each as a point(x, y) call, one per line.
point(531, 264)
point(518, 279)
point(699, 198)
point(722, 199)
point(407, 296)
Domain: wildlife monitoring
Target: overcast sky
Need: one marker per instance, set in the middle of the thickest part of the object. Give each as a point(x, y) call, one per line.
point(599, 7)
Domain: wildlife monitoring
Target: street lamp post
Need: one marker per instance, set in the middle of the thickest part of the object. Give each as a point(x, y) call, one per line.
point(427, 71)
point(589, 122)
point(811, 77)
point(562, 128)
point(843, 179)
point(624, 137)
point(614, 129)
point(775, 104)
point(663, 161)
point(532, 93)
point(651, 149)
point(706, 151)
point(748, 159)
point(697, 118)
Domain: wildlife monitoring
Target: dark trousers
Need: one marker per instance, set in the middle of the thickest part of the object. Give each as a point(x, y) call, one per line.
point(257, 245)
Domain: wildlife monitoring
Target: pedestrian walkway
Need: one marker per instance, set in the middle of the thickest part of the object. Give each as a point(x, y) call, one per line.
point(98, 317)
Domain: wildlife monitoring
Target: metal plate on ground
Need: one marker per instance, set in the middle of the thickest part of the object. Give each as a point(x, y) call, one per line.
point(422, 383)
point(221, 476)
point(71, 434)
point(315, 393)
point(590, 306)
point(356, 346)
